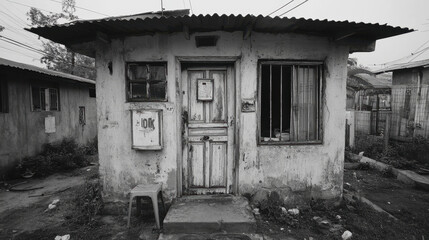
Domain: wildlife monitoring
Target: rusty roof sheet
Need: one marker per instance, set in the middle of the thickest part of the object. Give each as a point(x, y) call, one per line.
point(408, 65)
point(374, 81)
point(149, 23)
point(31, 68)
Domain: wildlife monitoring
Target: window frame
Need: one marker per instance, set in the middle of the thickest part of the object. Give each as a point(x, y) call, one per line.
point(4, 95)
point(92, 92)
point(320, 103)
point(128, 81)
point(47, 88)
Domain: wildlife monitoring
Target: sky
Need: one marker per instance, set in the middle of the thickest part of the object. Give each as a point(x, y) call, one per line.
point(404, 48)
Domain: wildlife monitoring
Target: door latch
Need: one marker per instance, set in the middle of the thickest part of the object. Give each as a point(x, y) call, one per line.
point(205, 138)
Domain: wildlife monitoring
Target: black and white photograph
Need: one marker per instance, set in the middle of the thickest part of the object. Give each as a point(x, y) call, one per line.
point(214, 120)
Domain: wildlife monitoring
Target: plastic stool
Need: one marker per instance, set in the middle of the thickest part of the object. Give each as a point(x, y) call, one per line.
point(146, 190)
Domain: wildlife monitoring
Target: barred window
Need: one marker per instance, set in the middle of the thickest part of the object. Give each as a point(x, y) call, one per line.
point(45, 99)
point(290, 102)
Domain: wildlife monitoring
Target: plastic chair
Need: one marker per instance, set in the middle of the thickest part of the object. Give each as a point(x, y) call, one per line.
point(146, 190)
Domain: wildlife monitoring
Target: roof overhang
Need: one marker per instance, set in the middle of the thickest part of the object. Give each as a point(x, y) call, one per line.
point(360, 36)
point(44, 72)
point(403, 66)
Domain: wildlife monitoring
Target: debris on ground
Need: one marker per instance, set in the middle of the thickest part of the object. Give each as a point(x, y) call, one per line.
point(256, 211)
point(347, 235)
point(293, 211)
point(65, 237)
point(52, 205)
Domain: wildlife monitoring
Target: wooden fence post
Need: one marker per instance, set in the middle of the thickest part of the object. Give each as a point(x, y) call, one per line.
point(387, 132)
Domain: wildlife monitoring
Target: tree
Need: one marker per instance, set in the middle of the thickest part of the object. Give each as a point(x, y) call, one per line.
point(56, 56)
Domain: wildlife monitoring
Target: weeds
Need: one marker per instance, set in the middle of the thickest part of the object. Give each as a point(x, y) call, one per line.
point(55, 157)
point(403, 155)
point(92, 147)
point(88, 202)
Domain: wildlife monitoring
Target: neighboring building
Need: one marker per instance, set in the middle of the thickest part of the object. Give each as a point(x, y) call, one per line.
point(220, 104)
point(367, 92)
point(39, 106)
point(410, 99)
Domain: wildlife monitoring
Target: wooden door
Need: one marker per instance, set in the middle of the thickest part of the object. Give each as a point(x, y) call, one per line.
point(208, 136)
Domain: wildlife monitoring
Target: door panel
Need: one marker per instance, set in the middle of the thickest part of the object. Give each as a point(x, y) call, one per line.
point(208, 136)
point(196, 164)
point(218, 164)
point(218, 105)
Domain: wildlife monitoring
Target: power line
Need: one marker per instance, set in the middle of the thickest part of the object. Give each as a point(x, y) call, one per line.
point(422, 45)
point(12, 50)
point(16, 17)
point(293, 8)
point(31, 6)
point(14, 42)
point(46, 54)
point(403, 58)
point(419, 54)
point(11, 18)
point(281, 7)
point(25, 46)
point(11, 28)
point(86, 9)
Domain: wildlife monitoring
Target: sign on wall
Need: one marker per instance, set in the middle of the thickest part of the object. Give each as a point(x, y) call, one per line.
point(146, 129)
point(205, 89)
point(50, 124)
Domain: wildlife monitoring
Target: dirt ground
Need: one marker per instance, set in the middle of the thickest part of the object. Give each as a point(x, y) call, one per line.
point(23, 216)
point(409, 205)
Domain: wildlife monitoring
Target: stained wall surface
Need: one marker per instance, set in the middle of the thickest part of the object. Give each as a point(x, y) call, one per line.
point(298, 171)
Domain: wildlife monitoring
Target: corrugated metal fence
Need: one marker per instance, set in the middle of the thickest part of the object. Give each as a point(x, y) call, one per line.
point(371, 122)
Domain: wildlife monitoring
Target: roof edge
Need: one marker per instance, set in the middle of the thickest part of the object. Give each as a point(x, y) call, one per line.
point(28, 67)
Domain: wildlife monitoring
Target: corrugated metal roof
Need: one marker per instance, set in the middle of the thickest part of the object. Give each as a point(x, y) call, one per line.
point(27, 67)
point(416, 64)
point(149, 23)
point(374, 81)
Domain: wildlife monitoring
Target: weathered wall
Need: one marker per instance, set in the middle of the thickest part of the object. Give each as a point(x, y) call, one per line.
point(410, 108)
point(22, 130)
point(313, 169)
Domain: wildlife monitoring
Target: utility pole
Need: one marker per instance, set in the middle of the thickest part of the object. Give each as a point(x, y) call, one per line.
point(162, 8)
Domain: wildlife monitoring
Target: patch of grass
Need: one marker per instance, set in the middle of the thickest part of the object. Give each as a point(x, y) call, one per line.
point(55, 157)
point(92, 147)
point(88, 202)
point(403, 155)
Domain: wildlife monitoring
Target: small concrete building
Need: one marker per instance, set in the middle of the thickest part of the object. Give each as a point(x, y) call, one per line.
point(39, 106)
point(220, 104)
point(410, 99)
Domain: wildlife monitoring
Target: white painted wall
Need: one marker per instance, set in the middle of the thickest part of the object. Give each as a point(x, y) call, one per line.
point(308, 170)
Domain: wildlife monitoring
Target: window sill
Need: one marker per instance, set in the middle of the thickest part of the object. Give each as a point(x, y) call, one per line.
point(45, 111)
point(147, 100)
point(318, 142)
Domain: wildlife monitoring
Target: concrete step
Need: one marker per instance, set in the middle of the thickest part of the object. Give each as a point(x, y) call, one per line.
point(210, 214)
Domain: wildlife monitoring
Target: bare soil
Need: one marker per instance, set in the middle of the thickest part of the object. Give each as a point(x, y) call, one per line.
point(24, 215)
point(410, 206)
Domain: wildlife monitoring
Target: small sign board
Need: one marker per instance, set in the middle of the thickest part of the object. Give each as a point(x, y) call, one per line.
point(247, 105)
point(146, 129)
point(50, 124)
point(204, 89)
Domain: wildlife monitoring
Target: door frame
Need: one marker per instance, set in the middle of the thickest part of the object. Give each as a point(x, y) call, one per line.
point(228, 60)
